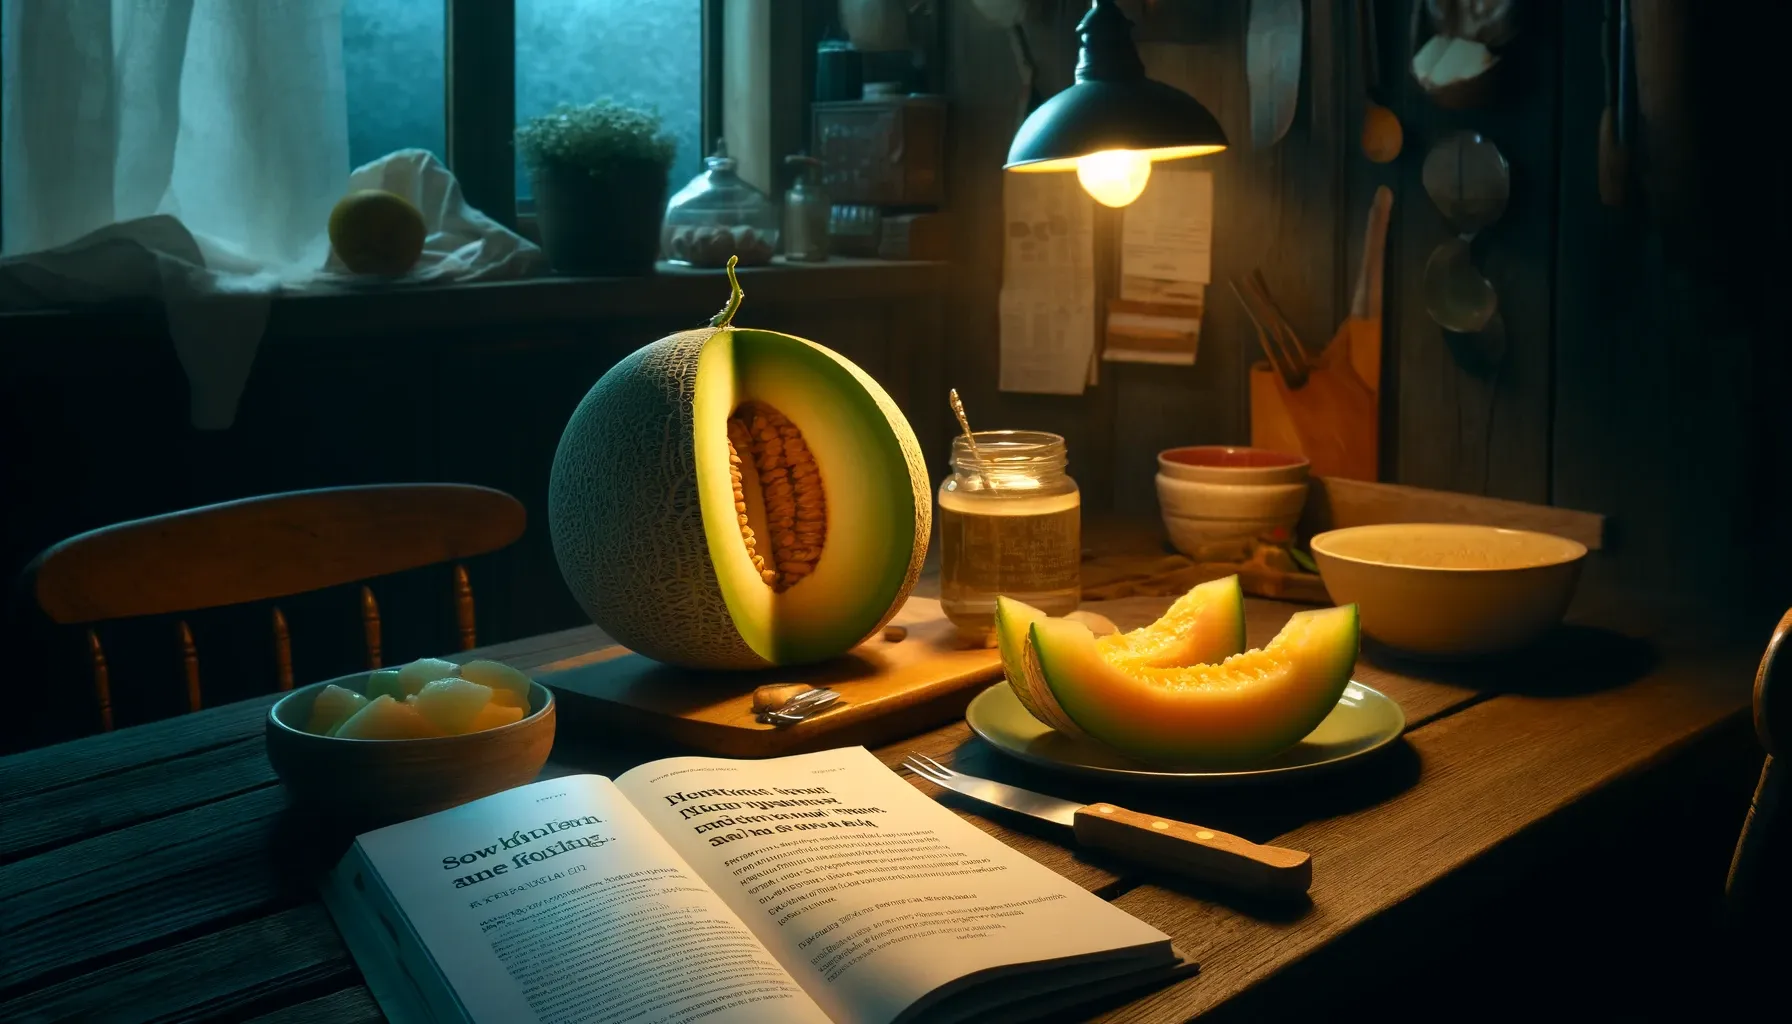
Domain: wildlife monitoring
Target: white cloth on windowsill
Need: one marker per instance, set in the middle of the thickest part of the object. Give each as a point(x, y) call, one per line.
point(217, 299)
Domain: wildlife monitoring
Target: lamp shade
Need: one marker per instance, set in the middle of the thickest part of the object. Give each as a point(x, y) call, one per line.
point(1113, 106)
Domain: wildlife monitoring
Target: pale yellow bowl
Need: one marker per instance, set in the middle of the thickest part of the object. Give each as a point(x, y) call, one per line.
point(376, 782)
point(1448, 590)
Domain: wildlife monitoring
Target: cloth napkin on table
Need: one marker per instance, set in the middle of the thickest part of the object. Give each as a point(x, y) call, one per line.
point(217, 299)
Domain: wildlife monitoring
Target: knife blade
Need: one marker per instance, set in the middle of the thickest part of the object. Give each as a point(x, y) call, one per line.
point(1272, 57)
point(1190, 850)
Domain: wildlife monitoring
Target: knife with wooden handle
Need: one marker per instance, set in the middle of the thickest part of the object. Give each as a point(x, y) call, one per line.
point(1189, 850)
point(1193, 851)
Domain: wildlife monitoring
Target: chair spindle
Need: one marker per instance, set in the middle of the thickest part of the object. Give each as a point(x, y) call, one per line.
point(370, 626)
point(282, 651)
point(102, 679)
point(463, 608)
point(189, 663)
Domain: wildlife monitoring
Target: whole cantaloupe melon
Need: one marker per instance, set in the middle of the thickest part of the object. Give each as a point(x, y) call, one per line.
point(727, 498)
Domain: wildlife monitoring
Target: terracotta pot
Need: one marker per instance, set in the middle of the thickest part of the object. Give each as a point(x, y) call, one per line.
point(601, 226)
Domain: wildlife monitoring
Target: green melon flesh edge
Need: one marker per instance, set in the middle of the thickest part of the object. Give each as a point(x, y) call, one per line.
point(1241, 711)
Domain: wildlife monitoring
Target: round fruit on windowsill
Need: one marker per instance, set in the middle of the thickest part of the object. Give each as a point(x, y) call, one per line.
point(728, 498)
point(377, 232)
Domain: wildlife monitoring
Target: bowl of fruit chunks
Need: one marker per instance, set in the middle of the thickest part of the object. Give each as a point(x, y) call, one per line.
point(393, 744)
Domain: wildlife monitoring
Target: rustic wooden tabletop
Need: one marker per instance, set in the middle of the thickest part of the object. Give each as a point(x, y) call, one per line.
point(156, 873)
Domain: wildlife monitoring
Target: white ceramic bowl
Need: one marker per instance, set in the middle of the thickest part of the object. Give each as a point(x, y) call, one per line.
point(1222, 464)
point(1196, 500)
point(1199, 538)
point(1449, 590)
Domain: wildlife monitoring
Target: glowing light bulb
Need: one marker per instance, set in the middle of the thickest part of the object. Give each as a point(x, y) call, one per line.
point(1115, 177)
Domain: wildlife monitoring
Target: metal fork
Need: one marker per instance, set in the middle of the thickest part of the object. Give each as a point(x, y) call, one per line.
point(927, 767)
point(1000, 794)
point(1204, 853)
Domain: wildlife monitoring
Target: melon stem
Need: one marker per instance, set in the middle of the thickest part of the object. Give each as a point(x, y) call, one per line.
point(726, 316)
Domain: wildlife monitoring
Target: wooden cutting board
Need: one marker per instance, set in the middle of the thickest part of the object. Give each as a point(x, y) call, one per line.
point(889, 689)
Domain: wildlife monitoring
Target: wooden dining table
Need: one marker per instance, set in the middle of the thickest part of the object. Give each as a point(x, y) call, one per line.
point(158, 873)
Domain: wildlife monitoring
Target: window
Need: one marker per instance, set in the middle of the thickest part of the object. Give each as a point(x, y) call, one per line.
point(396, 59)
point(98, 96)
point(642, 54)
point(394, 63)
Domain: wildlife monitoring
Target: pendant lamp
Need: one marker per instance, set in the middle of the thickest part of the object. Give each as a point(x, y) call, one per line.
point(1113, 123)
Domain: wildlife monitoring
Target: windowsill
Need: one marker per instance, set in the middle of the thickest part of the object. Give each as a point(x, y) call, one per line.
point(349, 312)
point(671, 289)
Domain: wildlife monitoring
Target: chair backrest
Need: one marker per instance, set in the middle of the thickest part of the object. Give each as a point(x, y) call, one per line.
point(1759, 887)
point(265, 548)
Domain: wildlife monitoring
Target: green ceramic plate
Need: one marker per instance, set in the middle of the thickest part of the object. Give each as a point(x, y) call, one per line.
point(1364, 721)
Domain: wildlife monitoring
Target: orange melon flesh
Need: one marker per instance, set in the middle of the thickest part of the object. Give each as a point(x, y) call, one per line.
point(1243, 710)
point(1206, 624)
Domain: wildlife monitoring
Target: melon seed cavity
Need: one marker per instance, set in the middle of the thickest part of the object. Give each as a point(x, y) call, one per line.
point(795, 520)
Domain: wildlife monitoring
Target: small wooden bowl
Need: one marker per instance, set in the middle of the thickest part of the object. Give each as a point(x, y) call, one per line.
point(368, 783)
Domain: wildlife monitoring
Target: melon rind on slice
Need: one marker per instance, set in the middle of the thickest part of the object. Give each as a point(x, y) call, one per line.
point(1013, 620)
point(1241, 711)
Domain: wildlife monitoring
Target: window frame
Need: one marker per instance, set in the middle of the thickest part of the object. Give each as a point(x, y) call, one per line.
point(480, 122)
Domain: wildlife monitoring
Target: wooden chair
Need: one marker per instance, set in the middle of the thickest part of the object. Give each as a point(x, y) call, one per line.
point(1759, 888)
point(265, 548)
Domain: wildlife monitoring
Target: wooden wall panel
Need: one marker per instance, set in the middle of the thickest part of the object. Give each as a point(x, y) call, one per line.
point(1471, 412)
point(1670, 416)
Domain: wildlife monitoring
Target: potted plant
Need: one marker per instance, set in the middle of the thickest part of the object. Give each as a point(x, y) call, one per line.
point(599, 174)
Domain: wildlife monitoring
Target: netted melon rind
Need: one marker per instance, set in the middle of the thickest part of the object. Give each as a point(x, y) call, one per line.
point(626, 522)
point(629, 538)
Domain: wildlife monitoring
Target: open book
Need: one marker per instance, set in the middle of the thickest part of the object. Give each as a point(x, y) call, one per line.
point(806, 889)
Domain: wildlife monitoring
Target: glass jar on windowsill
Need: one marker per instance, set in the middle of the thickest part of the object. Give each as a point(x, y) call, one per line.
point(718, 215)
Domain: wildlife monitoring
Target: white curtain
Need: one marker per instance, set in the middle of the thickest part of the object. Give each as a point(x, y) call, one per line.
point(227, 114)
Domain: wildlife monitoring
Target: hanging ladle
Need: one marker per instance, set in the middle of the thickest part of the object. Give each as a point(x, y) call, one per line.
point(1468, 180)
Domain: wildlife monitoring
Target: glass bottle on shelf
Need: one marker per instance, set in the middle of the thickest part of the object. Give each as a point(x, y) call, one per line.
point(718, 215)
point(1010, 523)
point(806, 212)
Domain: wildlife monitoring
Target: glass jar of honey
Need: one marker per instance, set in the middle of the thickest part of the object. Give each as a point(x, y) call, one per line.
point(1010, 523)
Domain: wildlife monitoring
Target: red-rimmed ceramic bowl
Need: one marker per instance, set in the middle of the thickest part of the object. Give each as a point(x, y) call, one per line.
point(1223, 464)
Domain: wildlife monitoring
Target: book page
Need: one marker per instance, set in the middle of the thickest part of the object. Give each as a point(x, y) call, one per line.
point(556, 902)
point(870, 894)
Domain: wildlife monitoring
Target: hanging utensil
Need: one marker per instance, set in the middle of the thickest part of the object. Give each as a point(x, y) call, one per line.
point(1361, 330)
point(1382, 134)
point(1614, 149)
point(1272, 51)
point(1468, 179)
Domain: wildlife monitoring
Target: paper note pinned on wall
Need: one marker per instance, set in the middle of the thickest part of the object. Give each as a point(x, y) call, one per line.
point(1048, 285)
point(1167, 333)
point(1166, 248)
point(1166, 260)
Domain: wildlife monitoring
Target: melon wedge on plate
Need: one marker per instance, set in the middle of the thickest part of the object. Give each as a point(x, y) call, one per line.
point(1242, 710)
point(1205, 624)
